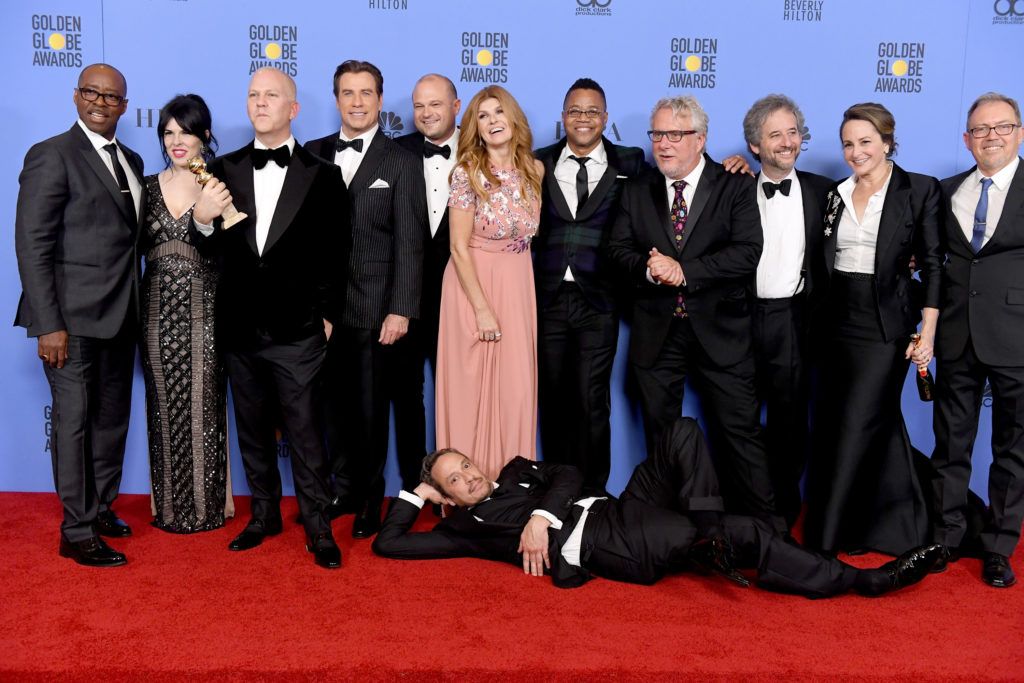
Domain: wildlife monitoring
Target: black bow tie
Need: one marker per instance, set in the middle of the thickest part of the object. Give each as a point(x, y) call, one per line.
point(430, 149)
point(342, 145)
point(771, 188)
point(279, 156)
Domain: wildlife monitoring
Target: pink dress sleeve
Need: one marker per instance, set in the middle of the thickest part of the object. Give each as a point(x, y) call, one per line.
point(461, 195)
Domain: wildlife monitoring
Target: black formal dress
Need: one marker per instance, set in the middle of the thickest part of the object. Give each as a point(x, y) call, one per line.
point(185, 384)
point(638, 538)
point(979, 338)
point(710, 341)
point(578, 319)
point(76, 240)
point(864, 492)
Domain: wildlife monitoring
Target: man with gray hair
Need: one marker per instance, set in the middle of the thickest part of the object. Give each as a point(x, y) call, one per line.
point(978, 337)
point(688, 238)
point(791, 204)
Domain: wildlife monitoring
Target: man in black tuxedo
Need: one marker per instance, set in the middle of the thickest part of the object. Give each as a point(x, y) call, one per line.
point(277, 303)
point(578, 324)
point(75, 236)
point(531, 517)
point(376, 357)
point(688, 237)
point(435, 105)
point(791, 204)
point(981, 321)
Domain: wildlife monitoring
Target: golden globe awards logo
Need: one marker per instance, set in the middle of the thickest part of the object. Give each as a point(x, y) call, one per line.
point(593, 8)
point(900, 67)
point(276, 46)
point(484, 57)
point(57, 40)
point(693, 63)
point(1008, 12)
point(802, 10)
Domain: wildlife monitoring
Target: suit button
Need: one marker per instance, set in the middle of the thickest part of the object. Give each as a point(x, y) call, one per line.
point(974, 292)
point(975, 262)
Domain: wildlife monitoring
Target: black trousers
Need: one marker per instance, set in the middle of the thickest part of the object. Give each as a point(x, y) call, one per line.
point(576, 352)
point(646, 534)
point(365, 377)
point(271, 380)
point(91, 398)
point(781, 380)
point(733, 415)
point(960, 384)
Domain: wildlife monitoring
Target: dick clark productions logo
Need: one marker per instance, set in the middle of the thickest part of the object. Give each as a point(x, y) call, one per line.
point(57, 40)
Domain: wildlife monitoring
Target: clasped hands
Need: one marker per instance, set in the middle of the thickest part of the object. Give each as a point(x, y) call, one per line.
point(664, 270)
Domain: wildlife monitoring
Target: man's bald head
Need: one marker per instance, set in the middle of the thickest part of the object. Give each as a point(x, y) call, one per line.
point(286, 82)
point(94, 71)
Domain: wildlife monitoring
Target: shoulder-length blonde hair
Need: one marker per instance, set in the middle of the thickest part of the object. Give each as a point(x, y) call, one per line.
point(472, 154)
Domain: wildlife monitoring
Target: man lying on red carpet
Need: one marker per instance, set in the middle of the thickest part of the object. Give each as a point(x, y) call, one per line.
point(668, 519)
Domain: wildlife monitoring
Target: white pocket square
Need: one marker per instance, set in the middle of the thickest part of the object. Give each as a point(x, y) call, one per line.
point(378, 183)
point(622, 176)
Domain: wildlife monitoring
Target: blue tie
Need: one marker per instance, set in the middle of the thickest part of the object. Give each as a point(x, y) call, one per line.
point(980, 214)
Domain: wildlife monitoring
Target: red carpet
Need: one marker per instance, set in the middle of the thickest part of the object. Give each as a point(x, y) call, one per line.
point(186, 607)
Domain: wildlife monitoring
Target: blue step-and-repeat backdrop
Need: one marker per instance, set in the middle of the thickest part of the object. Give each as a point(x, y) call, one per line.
point(926, 61)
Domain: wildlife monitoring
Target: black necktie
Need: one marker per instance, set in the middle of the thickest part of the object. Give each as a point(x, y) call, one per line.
point(342, 145)
point(279, 156)
point(582, 182)
point(771, 188)
point(122, 184)
point(430, 149)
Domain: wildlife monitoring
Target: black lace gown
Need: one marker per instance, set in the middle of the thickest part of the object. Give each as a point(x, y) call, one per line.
point(185, 386)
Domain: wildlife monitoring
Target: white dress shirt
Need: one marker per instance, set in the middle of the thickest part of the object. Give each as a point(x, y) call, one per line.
point(856, 240)
point(134, 184)
point(965, 199)
point(565, 173)
point(782, 223)
point(266, 184)
point(349, 159)
point(436, 171)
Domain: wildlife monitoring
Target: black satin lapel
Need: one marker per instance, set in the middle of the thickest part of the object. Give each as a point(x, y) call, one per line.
point(597, 196)
point(705, 186)
point(834, 208)
point(371, 160)
point(555, 192)
point(894, 208)
point(297, 182)
point(239, 179)
point(659, 202)
point(811, 209)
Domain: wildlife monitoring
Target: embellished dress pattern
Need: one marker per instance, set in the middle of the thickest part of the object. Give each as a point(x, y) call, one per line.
point(185, 386)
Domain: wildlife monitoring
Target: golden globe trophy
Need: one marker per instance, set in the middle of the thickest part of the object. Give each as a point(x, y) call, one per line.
point(231, 215)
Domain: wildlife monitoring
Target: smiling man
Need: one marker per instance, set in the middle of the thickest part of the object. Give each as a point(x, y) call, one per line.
point(578, 320)
point(981, 321)
point(376, 358)
point(76, 237)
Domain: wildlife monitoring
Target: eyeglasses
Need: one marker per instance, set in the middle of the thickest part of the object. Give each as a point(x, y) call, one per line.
point(1003, 129)
point(577, 113)
point(672, 135)
point(109, 98)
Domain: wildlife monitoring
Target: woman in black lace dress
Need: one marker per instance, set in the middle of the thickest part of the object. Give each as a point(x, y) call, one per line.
point(185, 387)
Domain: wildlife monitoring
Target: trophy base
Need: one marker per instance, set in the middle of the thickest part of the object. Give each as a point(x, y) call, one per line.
point(238, 217)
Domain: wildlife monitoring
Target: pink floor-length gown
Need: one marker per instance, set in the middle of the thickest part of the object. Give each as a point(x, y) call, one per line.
point(486, 400)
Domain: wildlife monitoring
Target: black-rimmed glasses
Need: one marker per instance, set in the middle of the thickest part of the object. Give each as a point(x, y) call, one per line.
point(109, 98)
point(577, 113)
point(672, 135)
point(1003, 129)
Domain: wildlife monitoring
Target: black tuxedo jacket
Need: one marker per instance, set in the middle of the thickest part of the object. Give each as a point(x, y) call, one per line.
point(76, 244)
point(582, 240)
point(389, 228)
point(909, 226)
point(983, 294)
point(297, 282)
point(719, 255)
point(491, 529)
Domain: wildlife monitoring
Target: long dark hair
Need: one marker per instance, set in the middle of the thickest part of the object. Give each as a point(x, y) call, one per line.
point(192, 114)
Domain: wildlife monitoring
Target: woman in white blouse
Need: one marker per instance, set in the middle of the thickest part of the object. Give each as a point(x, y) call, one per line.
point(864, 493)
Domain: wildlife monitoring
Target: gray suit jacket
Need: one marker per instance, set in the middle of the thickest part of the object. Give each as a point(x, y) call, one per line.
point(76, 246)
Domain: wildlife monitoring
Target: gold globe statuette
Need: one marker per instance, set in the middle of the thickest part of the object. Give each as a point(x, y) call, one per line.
point(231, 215)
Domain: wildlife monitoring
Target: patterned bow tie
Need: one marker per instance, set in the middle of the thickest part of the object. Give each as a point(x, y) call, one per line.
point(771, 188)
point(279, 156)
point(342, 145)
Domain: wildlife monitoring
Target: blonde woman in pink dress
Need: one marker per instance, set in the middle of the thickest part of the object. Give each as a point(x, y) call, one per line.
point(486, 401)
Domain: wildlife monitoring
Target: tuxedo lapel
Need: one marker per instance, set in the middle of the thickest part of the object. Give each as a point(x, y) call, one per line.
point(296, 185)
point(371, 160)
point(705, 186)
point(953, 228)
point(834, 208)
point(659, 204)
point(896, 204)
point(1011, 209)
point(238, 175)
point(103, 174)
point(811, 210)
point(554, 189)
point(597, 196)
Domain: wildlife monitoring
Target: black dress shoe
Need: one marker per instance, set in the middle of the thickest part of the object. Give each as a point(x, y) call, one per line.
point(325, 551)
point(914, 565)
point(367, 521)
point(952, 555)
point(253, 534)
point(110, 525)
point(714, 554)
point(92, 552)
point(996, 571)
point(336, 508)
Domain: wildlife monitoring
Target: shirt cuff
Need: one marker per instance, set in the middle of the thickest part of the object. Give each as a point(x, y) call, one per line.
point(556, 523)
point(647, 274)
point(411, 498)
point(205, 229)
